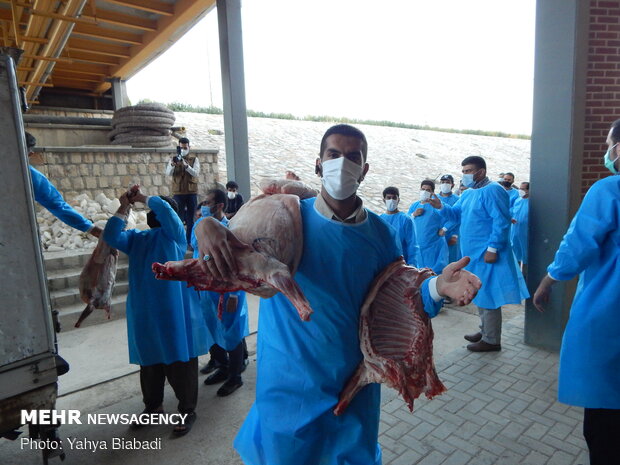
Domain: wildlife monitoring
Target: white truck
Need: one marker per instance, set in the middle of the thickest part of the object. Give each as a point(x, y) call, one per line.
point(27, 354)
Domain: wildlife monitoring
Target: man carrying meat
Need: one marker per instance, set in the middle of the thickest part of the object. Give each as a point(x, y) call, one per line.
point(160, 318)
point(303, 366)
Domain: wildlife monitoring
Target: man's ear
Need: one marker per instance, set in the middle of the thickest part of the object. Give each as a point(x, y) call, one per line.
point(318, 169)
point(364, 171)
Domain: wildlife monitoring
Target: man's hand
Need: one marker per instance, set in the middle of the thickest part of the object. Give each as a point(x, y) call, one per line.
point(458, 284)
point(135, 194)
point(490, 257)
point(96, 231)
point(435, 202)
point(441, 232)
point(542, 294)
point(217, 242)
point(125, 204)
point(418, 212)
point(231, 305)
point(453, 240)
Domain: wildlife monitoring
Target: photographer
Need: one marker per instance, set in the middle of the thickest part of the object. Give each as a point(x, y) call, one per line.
point(184, 169)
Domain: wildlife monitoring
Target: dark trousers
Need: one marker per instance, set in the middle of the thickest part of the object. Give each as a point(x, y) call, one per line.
point(183, 378)
point(601, 428)
point(187, 208)
point(231, 362)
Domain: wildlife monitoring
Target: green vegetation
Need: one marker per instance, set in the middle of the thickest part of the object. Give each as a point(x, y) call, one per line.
point(184, 107)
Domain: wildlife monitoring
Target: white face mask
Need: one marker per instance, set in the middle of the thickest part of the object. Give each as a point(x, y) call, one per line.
point(232, 195)
point(424, 195)
point(184, 152)
point(341, 177)
point(445, 188)
point(391, 204)
point(521, 193)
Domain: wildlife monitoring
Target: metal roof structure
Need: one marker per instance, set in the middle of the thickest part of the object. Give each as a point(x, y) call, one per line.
point(75, 47)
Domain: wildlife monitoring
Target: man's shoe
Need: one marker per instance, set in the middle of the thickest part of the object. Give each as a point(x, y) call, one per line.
point(482, 346)
point(184, 427)
point(218, 377)
point(210, 367)
point(136, 424)
point(229, 387)
point(473, 337)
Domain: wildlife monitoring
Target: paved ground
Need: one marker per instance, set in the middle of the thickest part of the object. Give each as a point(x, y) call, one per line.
point(500, 409)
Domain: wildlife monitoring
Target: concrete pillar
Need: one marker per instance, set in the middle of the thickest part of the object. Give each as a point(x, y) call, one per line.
point(119, 93)
point(233, 87)
point(557, 144)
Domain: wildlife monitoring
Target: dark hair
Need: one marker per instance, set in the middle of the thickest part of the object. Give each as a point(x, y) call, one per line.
point(232, 185)
point(184, 140)
point(509, 174)
point(391, 190)
point(172, 202)
point(151, 217)
point(528, 184)
point(345, 130)
point(31, 141)
point(428, 182)
point(615, 131)
point(475, 160)
point(219, 196)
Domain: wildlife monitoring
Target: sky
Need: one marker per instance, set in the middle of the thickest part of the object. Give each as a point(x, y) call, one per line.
point(449, 63)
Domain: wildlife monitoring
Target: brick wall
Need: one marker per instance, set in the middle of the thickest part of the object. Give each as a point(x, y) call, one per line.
point(77, 170)
point(602, 104)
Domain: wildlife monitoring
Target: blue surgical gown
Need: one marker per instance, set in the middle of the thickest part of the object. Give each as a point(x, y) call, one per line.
point(590, 353)
point(47, 195)
point(303, 366)
point(406, 235)
point(233, 327)
point(513, 195)
point(519, 231)
point(433, 247)
point(159, 317)
point(485, 222)
point(454, 251)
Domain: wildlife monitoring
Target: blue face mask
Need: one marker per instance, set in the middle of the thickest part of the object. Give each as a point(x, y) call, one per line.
point(468, 180)
point(205, 211)
point(609, 163)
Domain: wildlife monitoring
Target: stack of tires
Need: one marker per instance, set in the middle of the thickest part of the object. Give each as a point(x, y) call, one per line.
point(142, 125)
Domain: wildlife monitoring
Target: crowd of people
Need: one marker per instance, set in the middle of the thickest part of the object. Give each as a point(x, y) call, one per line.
point(486, 221)
point(474, 237)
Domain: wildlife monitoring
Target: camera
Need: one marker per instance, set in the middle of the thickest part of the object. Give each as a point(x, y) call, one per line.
point(177, 158)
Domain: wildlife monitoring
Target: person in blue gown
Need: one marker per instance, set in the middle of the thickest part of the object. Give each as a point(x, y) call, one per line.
point(159, 314)
point(48, 196)
point(590, 353)
point(450, 228)
point(428, 225)
point(507, 183)
point(403, 225)
point(303, 366)
point(483, 212)
point(226, 336)
point(520, 212)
